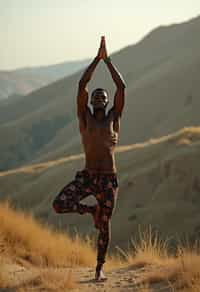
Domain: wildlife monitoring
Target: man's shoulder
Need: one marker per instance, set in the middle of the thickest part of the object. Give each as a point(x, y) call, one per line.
point(113, 113)
point(85, 113)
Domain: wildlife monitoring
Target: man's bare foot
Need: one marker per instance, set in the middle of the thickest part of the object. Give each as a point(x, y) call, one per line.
point(99, 276)
point(96, 216)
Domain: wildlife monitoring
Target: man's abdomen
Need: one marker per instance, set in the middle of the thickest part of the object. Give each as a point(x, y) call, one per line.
point(99, 145)
point(99, 159)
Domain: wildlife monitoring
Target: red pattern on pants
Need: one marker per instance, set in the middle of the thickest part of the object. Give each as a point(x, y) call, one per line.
point(105, 188)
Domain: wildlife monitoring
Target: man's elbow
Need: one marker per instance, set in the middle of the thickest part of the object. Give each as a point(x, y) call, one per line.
point(81, 84)
point(123, 85)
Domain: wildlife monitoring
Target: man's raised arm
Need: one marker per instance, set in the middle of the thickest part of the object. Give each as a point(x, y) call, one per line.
point(117, 78)
point(120, 84)
point(82, 97)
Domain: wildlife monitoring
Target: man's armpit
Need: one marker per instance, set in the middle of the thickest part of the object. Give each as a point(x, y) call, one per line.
point(115, 116)
point(114, 113)
point(82, 122)
point(83, 117)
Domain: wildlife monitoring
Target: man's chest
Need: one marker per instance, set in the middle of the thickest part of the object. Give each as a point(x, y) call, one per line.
point(97, 131)
point(108, 125)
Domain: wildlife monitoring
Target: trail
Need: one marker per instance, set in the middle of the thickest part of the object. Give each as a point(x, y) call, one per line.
point(119, 280)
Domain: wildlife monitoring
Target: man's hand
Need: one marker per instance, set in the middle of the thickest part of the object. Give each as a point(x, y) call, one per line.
point(102, 53)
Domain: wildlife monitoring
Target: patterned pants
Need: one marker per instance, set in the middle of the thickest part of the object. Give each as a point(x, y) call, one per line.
point(105, 188)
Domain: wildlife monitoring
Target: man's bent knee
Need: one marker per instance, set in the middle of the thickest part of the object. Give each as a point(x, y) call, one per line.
point(56, 206)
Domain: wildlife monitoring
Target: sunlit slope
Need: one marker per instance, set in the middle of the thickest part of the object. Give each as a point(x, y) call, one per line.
point(25, 80)
point(159, 185)
point(162, 95)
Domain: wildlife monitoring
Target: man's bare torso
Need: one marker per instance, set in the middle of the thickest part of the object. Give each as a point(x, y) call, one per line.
point(99, 139)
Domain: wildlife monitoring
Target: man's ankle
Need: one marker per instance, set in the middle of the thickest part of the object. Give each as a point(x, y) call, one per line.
point(99, 275)
point(99, 267)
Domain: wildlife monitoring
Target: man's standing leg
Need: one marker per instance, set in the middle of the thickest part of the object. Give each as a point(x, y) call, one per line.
point(107, 201)
point(102, 244)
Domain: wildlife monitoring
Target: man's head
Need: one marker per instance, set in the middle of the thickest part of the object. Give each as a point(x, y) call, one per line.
point(99, 98)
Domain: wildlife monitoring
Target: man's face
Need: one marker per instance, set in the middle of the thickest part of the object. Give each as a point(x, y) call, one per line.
point(99, 99)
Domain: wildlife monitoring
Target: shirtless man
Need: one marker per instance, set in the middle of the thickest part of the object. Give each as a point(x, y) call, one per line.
point(99, 134)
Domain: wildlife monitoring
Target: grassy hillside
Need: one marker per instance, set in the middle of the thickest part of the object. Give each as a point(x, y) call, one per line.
point(31, 254)
point(36, 258)
point(25, 80)
point(26, 239)
point(159, 185)
point(13, 83)
point(161, 72)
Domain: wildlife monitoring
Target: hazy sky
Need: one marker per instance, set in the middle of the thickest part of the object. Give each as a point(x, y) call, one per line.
point(41, 32)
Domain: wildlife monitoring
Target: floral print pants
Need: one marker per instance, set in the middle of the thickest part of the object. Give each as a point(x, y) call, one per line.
point(105, 188)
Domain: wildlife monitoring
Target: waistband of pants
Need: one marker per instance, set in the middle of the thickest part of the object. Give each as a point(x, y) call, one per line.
point(93, 173)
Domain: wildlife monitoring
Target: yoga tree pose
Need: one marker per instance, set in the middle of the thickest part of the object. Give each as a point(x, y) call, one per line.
point(99, 132)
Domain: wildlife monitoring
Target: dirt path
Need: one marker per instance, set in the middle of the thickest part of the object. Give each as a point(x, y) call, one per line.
point(120, 280)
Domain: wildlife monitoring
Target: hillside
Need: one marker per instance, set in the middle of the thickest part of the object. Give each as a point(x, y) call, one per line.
point(25, 80)
point(36, 258)
point(159, 185)
point(162, 95)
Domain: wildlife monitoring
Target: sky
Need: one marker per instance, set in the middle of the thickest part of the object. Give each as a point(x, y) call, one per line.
point(44, 32)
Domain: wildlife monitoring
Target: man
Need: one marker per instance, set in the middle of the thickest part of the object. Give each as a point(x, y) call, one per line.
point(99, 137)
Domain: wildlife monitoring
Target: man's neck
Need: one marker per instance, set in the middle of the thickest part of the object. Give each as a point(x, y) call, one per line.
point(99, 114)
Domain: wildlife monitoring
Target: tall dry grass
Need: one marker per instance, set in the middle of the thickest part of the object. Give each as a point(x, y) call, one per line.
point(180, 271)
point(22, 238)
point(27, 239)
point(50, 280)
point(4, 280)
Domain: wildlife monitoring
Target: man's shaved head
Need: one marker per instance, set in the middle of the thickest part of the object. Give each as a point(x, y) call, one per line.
point(99, 90)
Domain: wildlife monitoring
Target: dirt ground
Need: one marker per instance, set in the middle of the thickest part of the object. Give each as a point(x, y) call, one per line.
point(120, 280)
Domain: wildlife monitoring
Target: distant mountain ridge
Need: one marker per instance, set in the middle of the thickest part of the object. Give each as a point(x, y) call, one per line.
point(162, 95)
point(23, 81)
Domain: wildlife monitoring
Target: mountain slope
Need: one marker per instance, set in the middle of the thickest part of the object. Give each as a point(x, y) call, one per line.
point(159, 185)
point(162, 96)
point(23, 81)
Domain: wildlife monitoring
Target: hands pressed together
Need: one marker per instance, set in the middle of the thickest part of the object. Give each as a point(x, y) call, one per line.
point(102, 52)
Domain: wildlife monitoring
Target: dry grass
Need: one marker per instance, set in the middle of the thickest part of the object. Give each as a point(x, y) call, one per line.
point(25, 238)
point(189, 270)
point(148, 249)
point(181, 272)
point(143, 288)
point(4, 280)
point(183, 141)
point(50, 280)
point(56, 280)
point(3, 277)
